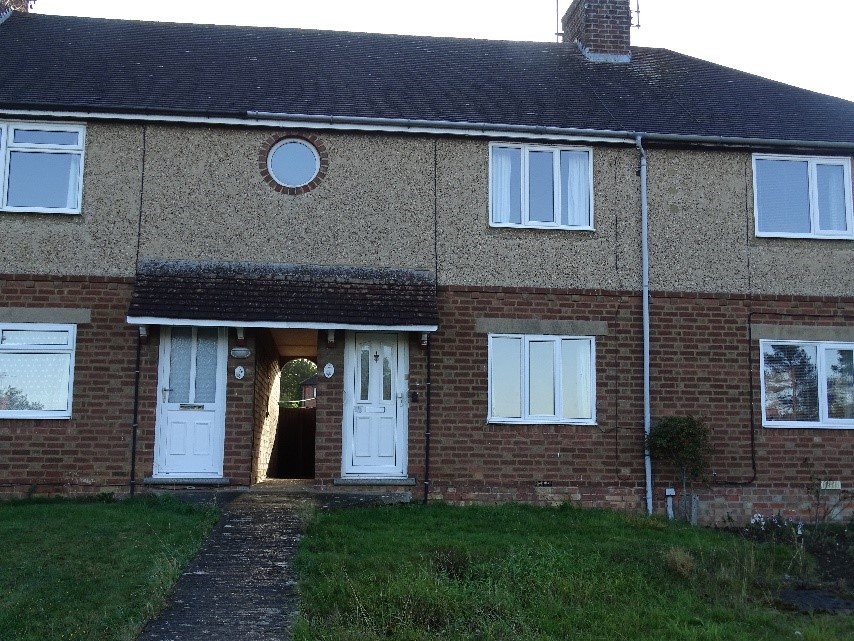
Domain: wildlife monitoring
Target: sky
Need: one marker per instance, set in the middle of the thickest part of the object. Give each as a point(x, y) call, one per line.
point(800, 42)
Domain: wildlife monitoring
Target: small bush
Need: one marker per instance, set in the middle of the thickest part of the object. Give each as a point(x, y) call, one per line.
point(682, 441)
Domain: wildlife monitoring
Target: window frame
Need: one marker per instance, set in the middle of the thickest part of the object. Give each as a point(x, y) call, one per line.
point(824, 421)
point(34, 348)
point(527, 418)
point(7, 146)
point(812, 163)
point(526, 149)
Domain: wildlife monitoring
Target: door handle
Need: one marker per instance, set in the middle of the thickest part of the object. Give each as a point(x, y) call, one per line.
point(165, 393)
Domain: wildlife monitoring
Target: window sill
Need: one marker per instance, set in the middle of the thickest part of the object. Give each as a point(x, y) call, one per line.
point(12, 414)
point(40, 210)
point(807, 426)
point(532, 421)
point(805, 236)
point(540, 226)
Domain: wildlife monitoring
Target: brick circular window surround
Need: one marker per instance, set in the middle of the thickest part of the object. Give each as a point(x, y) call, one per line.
point(275, 141)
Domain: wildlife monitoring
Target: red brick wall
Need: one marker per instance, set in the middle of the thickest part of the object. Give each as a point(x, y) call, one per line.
point(701, 365)
point(267, 392)
point(91, 451)
point(330, 401)
point(602, 26)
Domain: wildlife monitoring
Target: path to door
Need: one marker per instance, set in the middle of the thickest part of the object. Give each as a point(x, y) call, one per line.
point(242, 585)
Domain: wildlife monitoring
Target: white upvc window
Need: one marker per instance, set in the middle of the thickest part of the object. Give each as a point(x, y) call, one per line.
point(802, 196)
point(36, 370)
point(807, 384)
point(543, 187)
point(542, 379)
point(41, 165)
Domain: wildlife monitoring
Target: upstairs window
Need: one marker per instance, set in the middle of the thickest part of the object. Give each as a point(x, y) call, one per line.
point(41, 167)
point(539, 186)
point(802, 197)
point(807, 384)
point(541, 379)
point(36, 370)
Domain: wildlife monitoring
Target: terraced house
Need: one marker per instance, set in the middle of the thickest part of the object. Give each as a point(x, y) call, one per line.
point(507, 259)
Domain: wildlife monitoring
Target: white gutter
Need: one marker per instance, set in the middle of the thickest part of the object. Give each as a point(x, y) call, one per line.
point(647, 420)
point(192, 322)
point(435, 127)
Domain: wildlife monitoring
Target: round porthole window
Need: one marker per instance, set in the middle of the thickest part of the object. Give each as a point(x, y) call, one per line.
point(293, 162)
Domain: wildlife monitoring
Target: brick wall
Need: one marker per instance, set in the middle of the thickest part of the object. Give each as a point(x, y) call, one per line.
point(330, 400)
point(91, 451)
point(267, 391)
point(703, 363)
point(600, 26)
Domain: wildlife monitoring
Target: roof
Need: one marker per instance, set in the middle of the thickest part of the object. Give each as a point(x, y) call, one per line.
point(283, 295)
point(116, 66)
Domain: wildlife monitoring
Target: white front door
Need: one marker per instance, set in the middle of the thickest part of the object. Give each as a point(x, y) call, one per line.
point(190, 427)
point(375, 405)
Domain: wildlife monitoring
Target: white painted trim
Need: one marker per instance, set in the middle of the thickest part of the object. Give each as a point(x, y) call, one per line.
point(478, 130)
point(156, 320)
point(349, 387)
point(526, 223)
point(812, 164)
point(824, 421)
point(526, 419)
point(474, 130)
point(69, 348)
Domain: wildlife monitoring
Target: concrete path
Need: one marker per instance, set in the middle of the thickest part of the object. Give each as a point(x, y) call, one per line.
point(241, 586)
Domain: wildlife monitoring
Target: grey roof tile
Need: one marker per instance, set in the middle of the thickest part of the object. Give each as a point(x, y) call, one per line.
point(279, 293)
point(206, 70)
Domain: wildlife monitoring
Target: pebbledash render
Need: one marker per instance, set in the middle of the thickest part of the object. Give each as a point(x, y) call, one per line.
point(461, 234)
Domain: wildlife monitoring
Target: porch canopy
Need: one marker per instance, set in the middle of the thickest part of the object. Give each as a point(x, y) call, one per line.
point(279, 295)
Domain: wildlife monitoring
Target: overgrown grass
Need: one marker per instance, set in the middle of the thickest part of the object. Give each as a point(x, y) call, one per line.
point(91, 570)
point(524, 573)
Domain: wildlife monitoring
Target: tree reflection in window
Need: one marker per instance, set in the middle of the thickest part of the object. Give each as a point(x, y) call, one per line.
point(791, 382)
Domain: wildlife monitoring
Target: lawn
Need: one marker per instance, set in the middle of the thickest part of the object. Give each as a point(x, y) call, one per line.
point(523, 573)
point(91, 570)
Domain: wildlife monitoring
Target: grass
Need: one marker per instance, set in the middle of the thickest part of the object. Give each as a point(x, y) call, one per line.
point(91, 570)
point(524, 573)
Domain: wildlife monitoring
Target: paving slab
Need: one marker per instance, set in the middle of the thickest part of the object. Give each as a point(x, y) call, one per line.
point(241, 586)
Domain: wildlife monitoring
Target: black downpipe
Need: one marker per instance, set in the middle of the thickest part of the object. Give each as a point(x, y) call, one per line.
point(428, 394)
point(135, 425)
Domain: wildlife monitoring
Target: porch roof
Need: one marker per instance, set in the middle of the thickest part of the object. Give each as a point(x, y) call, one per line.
point(245, 294)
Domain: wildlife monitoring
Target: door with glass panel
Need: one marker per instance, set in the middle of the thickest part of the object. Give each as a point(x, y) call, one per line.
point(191, 417)
point(376, 406)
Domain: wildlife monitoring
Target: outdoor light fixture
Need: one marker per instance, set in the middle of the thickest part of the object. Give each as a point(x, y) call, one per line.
point(143, 334)
point(425, 337)
point(240, 352)
point(330, 337)
point(241, 340)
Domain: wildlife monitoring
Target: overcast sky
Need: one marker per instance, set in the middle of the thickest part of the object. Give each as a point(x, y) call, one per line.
point(801, 42)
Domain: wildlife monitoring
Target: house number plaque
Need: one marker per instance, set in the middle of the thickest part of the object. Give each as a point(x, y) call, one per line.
point(239, 372)
point(328, 370)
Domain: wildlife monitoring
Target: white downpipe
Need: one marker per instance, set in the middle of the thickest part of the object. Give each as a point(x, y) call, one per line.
point(647, 420)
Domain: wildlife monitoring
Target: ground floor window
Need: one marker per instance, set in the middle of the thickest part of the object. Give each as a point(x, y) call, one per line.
point(36, 370)
point(807, 384)
point(541, 379)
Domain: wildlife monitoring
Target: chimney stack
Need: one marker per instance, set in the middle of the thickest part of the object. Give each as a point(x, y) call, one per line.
point(600, 28)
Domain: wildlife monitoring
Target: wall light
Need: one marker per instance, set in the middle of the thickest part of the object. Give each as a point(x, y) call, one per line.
point(425, 337)
point(241, 339)
point(143, 334)
point(330, 337)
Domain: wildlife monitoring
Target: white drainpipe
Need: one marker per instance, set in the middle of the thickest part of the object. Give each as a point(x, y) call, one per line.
point(647, 421)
